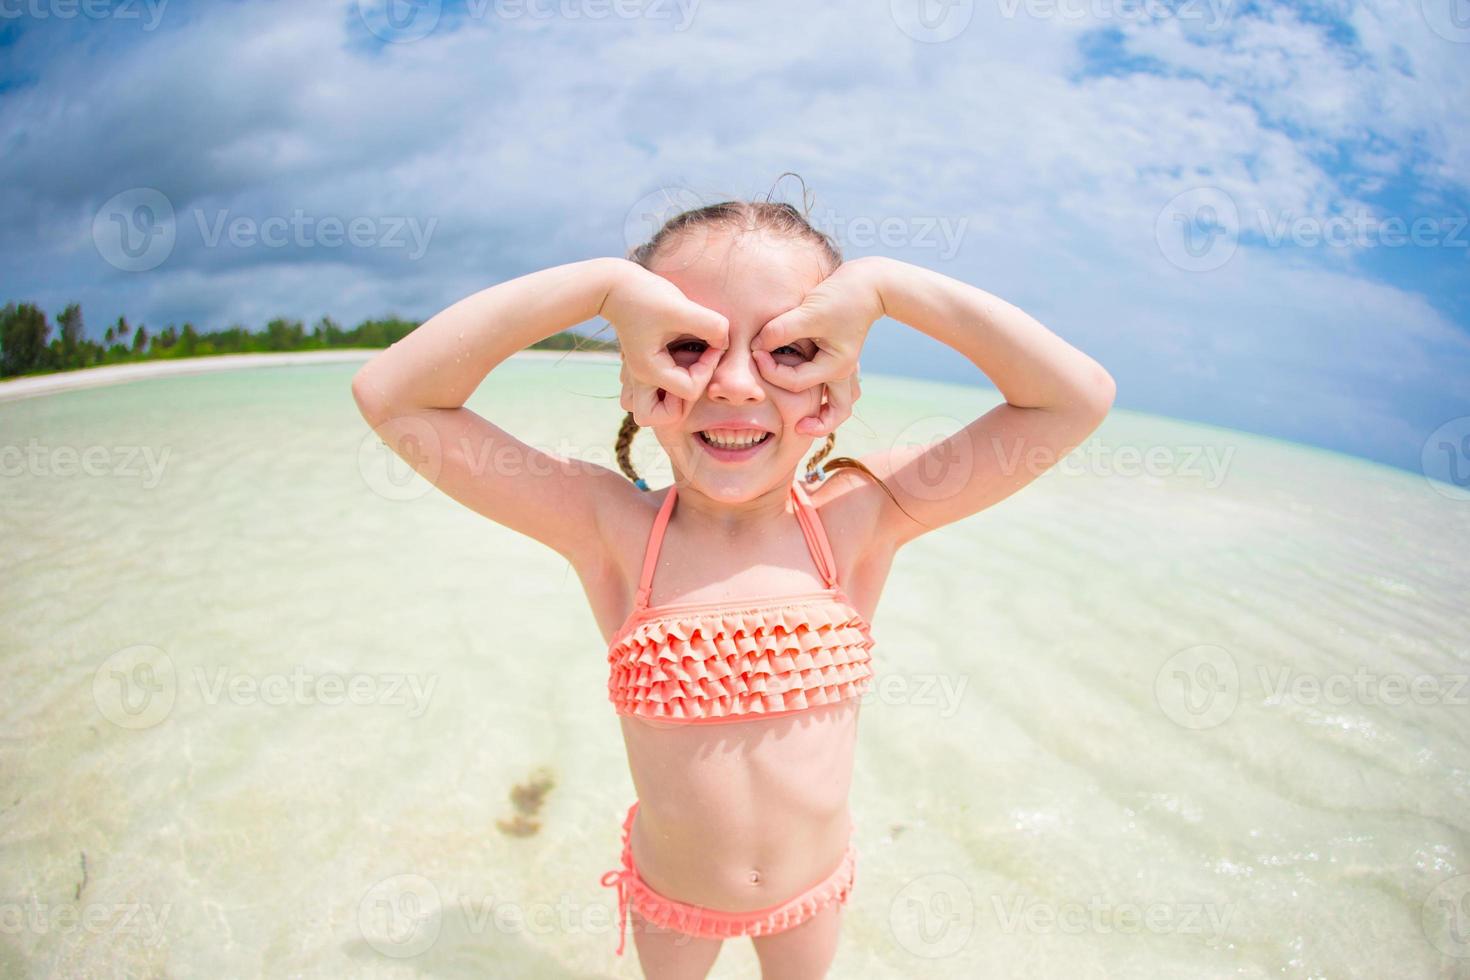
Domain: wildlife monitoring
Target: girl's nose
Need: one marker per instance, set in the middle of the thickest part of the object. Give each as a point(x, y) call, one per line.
point(736, 378)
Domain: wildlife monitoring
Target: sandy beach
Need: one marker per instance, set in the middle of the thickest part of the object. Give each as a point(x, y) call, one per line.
point(47, 384)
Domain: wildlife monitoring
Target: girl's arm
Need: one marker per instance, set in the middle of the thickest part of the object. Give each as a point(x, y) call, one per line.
point(1055, 396)
point(413, 395)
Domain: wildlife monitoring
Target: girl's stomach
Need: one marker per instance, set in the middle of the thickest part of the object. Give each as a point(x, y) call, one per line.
point(742, 815)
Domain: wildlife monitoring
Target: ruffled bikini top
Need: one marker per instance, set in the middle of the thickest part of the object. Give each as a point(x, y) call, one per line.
point(738, 659)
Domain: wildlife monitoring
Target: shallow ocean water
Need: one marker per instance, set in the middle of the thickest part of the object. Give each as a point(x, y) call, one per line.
point(268, 696)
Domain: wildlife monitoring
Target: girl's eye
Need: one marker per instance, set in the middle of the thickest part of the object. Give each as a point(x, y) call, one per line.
point(686, 352)
point(793, 354)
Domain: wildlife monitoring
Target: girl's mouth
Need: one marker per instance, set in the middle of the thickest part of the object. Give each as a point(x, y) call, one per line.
point(732, 447)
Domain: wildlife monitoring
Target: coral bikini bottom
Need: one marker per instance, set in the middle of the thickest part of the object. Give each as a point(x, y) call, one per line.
point(707, 923)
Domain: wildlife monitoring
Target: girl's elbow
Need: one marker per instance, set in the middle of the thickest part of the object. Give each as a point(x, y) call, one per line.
point(1101, 389)
point(367, 395)
point(1108, 390)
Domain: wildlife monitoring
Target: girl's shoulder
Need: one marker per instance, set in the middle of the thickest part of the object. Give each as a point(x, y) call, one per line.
point(850, 507)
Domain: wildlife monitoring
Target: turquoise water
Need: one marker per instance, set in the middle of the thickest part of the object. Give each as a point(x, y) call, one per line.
point(267, 695)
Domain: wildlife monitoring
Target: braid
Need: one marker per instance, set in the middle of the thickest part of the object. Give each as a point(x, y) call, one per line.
point(815, 472)
point(626, 432)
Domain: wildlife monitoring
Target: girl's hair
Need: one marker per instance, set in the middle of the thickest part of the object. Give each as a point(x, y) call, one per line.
point(781, 219)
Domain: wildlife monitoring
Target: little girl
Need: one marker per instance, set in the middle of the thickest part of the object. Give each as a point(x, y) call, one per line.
point(735, 603)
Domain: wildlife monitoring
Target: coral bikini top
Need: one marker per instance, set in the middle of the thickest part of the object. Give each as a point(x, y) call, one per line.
point(740, 659)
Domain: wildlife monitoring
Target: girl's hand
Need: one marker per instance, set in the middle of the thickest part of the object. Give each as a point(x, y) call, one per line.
point(835, 316)
point(841, 394)
point(650, 314)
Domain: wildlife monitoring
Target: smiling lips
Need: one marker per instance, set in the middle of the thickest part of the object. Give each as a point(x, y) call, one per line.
point(733, 445)
point(733, 438)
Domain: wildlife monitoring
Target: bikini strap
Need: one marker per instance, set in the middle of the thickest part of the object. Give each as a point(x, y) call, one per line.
point(815, 534)
point(651, 550)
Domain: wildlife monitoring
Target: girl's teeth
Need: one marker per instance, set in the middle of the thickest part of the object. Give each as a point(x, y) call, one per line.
point(742, 442)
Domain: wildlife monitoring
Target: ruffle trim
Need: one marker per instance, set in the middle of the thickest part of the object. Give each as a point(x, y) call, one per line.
point(712, 924)
point(718, 665)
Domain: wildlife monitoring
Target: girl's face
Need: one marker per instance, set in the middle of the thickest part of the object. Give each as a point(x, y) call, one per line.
point(749, 279)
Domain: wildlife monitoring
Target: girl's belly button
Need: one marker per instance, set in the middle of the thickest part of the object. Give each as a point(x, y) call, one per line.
point(755, 876)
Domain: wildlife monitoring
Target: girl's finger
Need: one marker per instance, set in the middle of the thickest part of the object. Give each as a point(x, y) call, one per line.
point(711, 327)
point(839, 405)
point(660, 369)
point(648, 410)
point(793, 325)
point(707, 326)
point(822, 368)
point(663, 372)
point(818, 425)
point(838, 409)
point(651, 406)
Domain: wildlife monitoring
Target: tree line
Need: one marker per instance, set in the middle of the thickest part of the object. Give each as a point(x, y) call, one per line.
point(27, 347)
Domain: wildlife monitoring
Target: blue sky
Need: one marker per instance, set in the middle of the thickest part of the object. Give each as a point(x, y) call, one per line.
point(1253, 215)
